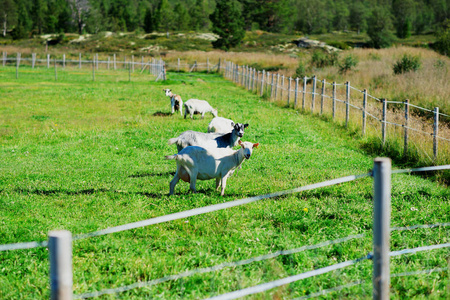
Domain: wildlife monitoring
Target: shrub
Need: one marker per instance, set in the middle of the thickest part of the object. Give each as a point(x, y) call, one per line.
point(348, 63)
point(300, 72)
point(408, 63)
point(321, 59)
point(442, 44)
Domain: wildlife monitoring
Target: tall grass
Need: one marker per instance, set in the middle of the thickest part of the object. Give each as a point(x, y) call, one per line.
point(82, 156)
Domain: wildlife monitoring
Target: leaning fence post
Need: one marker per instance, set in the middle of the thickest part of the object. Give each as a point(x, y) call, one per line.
point(60, 256)
point(323, 96)
point(296, 92)
point(405, 139)
point(347, 103)
point(435, 133)
point(334, 99)
point(383, 122)
point(381, 227)
point(364, 112)
point(313, 96)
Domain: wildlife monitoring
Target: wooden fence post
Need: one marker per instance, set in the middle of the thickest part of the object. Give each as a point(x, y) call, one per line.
point(114, 61)
point(289, 91)
point(381, 227)
point(334, 100)
point(364, 112)
point(262, 82)
point(218, 66)
point(313, 96)
point(109, 62)
point(96, 61)
point(271, 88)
point(405, 139)
point(435, 133)
point(323, 96)
point(48, 61)
point(255, 79)
point(93, 69)
point(347, 103)
point(125, 62)
point(129, 70)
point(33, 60)
point(296, 92)
point(60, 256)
point(276, 86)
point(282, 88)
point(383, 122)
point(5, 55)
point(304, 92)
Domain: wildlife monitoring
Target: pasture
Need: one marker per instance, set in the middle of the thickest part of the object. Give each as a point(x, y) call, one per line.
point(83, 156)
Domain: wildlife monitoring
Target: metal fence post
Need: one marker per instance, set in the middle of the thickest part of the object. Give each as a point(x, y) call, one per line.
point(383, 122)
point(405, 139)
point(262, 83)
point(381, 227)
point(347, 103)
point(276, 86)
point(282, 88)
point(313, 96)
point(60, 256)
point(33, 60)
point(271, 88)
point(435, 133)
point(289, 91)
point(296, 92)
point(364, 113)
point(48, 61)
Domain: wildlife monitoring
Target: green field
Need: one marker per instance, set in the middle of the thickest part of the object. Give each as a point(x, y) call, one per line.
point(84, 156)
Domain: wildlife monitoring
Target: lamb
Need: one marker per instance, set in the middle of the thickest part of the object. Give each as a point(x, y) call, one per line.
point(209, 140)
point(220, 125)
point(195, 162)
point(198, 106)
point(175, 101)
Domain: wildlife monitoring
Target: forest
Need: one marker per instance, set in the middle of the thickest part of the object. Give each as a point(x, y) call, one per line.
point(25, 18)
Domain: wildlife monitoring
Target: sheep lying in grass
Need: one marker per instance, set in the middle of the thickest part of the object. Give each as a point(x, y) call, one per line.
point(220, 125)
point(193, 106)
point(209, 140)
point(175, 101)
point(203, 164)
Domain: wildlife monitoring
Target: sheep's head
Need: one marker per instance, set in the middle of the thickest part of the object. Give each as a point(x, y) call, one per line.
point(248, 148)
point(214, 112)
point(239, 129)
point(168, 92)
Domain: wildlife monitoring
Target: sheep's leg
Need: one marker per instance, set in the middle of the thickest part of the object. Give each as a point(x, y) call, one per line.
point(172, 103)
point(185, 113)
point(193, 180)
point(203, 115)
point(181, 109)
point(174, 181)
point(224, 184)
point(218, 183)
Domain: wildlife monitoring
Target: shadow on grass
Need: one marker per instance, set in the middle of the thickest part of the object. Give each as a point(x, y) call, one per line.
point(162, 114)
point(148, 174)
point(86, 192)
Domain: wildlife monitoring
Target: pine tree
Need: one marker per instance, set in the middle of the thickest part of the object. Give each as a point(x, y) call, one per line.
point(380, 25)
point(228, 24)
point(149, 21)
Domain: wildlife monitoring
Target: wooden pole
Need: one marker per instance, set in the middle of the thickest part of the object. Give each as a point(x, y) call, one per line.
point(218, 66)
point(60, 256)
point(132, 63)
point(305, 79)
point(313, 96)
point(109, 61)
point(296, 92)
point(48, 61)
point(334, 100)
point(282, 88)
point(114, 61)
point(323, 96)
point(383, 122)
point(405, 138)
point(207, 65)
point(381, 227)
point(93, 69)
point(276, 86)
point(364, 112)
point(96, 61)
point(129, 71)
point(33, 60)
point(289, 91)
point(271, 88)
point(262, 83)
point(435, 133)
point(5, 55)
point(347, 103)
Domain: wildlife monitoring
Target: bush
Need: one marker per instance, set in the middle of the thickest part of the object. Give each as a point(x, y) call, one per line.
point(348, 63)
point(321, 59)
point(300, 72)
point(408, 63)
point(442, 44)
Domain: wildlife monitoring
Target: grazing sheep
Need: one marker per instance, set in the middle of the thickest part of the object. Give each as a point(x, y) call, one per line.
point(175, 101)
point(220, 125)
point(209, 140)
point(193, 106)
point(199, 163)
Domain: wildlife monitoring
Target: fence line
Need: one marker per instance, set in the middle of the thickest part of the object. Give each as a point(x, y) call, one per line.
point(271, 86)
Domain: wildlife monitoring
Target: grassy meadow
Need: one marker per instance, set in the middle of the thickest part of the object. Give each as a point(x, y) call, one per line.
point(83, 156)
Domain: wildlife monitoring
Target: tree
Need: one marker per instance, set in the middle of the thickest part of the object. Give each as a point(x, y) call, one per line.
point(199, 15)
point(149, 21)
point(358, 17)
point(404, 13)
point(80, 9)
point(182, 18)
point(442, 44)
point(8, 14)
point(164, 16)
point(380, 26)
point(228, 24)
point(341, 16)
point(38, 14)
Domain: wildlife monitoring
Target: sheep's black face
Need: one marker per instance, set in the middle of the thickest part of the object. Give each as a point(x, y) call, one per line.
point(239, 128)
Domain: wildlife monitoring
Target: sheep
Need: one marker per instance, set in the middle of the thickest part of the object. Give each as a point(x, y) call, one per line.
point(209, 140)
point(198, 106)
point(195, 162)
point(175, 101)
point(220, 125)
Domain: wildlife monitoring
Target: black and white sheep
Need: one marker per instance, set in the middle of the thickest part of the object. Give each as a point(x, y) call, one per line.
point(175, 101)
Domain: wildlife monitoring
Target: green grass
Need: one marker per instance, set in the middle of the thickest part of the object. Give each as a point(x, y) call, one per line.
point(83, 156)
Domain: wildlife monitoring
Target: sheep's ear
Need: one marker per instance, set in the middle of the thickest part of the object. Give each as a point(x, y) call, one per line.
point(245, 125)
point(255, 145)
point(240, 142)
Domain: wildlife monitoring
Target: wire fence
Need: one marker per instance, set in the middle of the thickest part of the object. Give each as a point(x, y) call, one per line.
point(126, 67)
point(352, 105)
point(64, 257)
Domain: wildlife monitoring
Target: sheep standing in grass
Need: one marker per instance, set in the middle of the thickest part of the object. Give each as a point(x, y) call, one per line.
point(220, 125)
point(193, 106)
point(209, 140)
point(203, 164)
point(175, 101)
